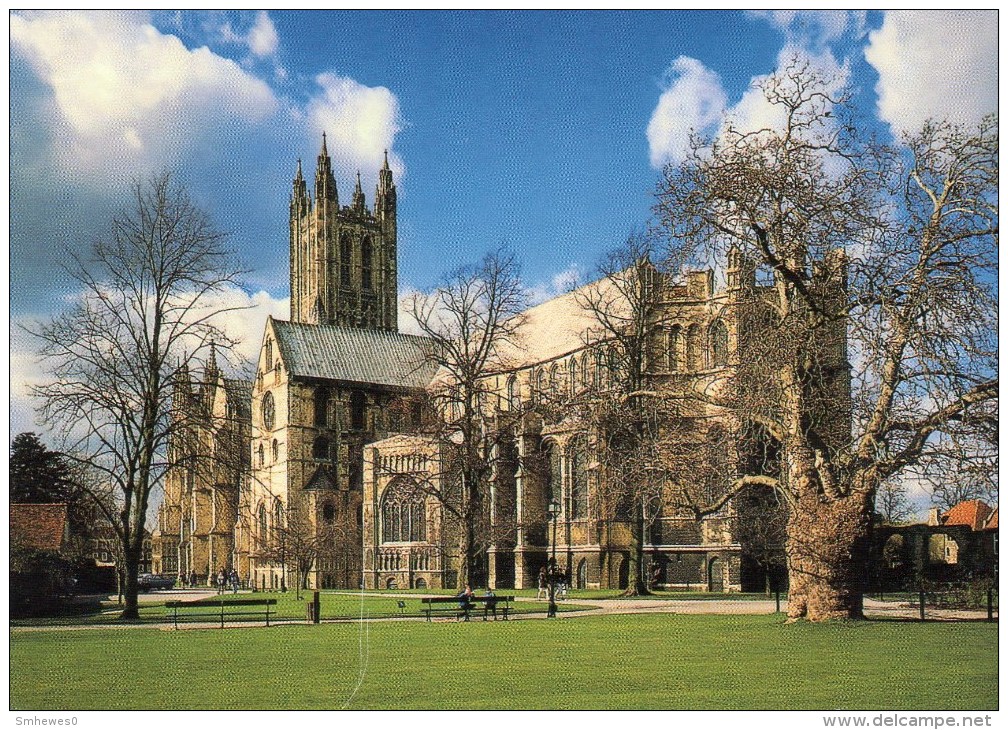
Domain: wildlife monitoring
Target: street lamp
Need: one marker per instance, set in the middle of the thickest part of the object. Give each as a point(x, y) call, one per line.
point(554, 513)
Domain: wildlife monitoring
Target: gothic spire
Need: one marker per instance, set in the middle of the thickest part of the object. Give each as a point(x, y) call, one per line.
point(358, 196)
point(325, 183)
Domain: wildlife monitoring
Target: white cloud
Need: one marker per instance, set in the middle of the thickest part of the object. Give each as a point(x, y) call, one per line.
point(360, 123)
point(262, 39)
point(814, 28)
point(935, 64)
point(560, 283)
point(407, 322)
point(244, 322)
point(127, 92)
point(696, 100)
point(245, 319)
point(753, 112)
point(693, 100)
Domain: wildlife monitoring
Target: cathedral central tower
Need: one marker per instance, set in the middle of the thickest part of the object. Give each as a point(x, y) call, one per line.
point(343, 260)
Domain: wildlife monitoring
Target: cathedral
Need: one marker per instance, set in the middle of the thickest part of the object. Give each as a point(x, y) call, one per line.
point(333, 440)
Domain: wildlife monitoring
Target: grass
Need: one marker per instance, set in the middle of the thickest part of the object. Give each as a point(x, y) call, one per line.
point(646, 661)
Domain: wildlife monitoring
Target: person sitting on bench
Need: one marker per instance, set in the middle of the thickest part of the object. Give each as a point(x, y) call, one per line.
point(465, 601)
point(491, 604)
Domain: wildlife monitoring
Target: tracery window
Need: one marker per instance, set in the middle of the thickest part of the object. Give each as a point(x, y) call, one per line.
point(263, 526)
point(268, 411)
point(403, 517)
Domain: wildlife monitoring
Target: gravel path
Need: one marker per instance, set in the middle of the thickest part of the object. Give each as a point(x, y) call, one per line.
point(593, 607)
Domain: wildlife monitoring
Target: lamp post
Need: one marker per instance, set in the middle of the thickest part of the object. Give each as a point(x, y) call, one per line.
point(554, 513)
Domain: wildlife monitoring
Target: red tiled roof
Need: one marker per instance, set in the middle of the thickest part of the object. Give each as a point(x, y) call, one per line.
point(38, 526)
point(992, 520)
point(972, 513)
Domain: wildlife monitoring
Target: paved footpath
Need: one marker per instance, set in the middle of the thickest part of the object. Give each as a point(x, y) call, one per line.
point(592, 607)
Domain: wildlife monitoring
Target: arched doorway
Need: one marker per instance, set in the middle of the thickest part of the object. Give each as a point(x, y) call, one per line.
point(715, 575)
point(582, 574)
point(623, 573)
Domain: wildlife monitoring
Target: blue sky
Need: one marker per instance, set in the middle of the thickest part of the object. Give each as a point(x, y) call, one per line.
point(542, 131)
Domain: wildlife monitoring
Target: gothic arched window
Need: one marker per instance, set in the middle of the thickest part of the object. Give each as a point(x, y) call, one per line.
point(346, 251)
point(579, 480)
point(263, 526)
point(694, 353)
point(278, 516)
point(320, 449)
point(262, 456)
point(674, 357)
point(269, 353)
point(276, 450)
point(268, 411)
point(366, 263)
point(321, 406)
point(357, 411)
point(403, 517)
point(572, 370)
point(718, 344)
point(328, 513)
point(513, 398)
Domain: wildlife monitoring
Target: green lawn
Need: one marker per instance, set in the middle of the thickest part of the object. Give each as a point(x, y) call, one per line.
point(657, 661)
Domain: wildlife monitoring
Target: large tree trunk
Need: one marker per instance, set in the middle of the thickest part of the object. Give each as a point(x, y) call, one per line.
point(131, 610)
point(466, 550)
point(636, 585)
point(827, 550)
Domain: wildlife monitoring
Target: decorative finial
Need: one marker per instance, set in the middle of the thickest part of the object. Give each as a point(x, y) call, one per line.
point(324, 150)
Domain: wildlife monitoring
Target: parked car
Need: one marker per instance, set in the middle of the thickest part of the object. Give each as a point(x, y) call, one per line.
point(152, 582)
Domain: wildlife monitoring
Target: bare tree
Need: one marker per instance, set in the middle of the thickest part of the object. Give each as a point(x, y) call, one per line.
point(886, 257)
point(144, 311)
point(892, 503)
point(956, 468)
point(471, 319)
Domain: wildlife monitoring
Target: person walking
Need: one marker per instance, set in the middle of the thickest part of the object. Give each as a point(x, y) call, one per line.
point(542, 593)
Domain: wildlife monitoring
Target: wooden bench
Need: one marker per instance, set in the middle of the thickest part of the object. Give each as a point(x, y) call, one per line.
point(462, 609)
point(221, 608)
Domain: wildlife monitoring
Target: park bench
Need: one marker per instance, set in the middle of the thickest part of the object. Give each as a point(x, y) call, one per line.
point(220, 609)
point(455, 605)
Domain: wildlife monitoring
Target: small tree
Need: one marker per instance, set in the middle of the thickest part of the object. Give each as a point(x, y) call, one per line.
point(144, 311)
point(892, 503)
point(469, 320)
